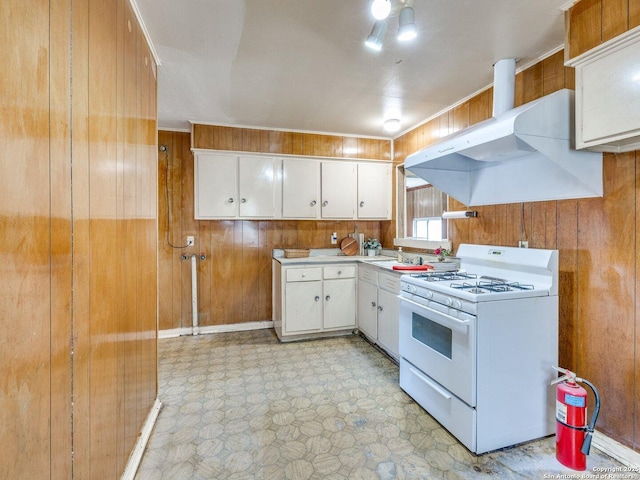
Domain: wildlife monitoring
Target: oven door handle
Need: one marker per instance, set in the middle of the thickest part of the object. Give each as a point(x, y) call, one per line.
point(440, 391)
point(439, 317)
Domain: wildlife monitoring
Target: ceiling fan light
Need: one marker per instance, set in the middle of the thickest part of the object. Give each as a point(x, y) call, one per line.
point(407, 27)
point(391, 125)
point(374, 40)
point(380, 9)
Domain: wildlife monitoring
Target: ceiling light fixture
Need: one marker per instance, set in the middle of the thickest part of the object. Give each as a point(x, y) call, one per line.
point(391, 125)
point(374, 40)
point(380, 9)
point(407, 25)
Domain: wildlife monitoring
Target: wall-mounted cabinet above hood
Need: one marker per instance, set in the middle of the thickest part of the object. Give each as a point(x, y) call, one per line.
point(525, 154)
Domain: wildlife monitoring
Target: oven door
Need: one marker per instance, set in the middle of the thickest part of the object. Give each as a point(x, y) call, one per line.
point(442, 345)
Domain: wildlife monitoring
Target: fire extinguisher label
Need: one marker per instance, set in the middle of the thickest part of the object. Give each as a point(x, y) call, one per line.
point(574, 400)
point(561, 411)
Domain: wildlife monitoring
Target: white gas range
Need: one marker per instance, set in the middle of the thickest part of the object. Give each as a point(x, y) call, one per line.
point(477, 345)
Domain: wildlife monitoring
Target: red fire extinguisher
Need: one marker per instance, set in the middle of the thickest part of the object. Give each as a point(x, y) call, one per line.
point(573, 435)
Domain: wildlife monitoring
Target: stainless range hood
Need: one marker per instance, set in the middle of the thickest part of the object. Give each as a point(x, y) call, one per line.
point(524, 154)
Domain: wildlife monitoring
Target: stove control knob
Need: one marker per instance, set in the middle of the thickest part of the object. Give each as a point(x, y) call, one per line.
point(457, 304)
point(411, 289)
point(448, 301)
point(429, 294)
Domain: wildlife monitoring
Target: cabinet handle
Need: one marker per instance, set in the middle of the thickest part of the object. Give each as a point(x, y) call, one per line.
point(379, 308)
point(230, 200)
point(362, 204)
point(313, 203)
point(339, 272)
point(243, 200)
point(373, 304)
point(304, 275)
point(327, 298)
point(325, 203)
point(317, 298)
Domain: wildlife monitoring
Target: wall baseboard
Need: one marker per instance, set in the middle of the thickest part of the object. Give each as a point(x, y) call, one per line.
point(138, 449)
point(614, 449)
point(233, 327)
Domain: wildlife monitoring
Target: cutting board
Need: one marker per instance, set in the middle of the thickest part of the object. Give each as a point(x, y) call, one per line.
point(349, 246)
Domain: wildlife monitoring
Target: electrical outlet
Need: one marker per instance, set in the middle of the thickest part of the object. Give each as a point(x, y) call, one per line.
point(334, 238)
point(523, 244)
point(190, 241)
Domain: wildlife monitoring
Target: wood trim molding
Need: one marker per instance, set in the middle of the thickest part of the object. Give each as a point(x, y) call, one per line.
point(136, 454)
point(233, 327)
point(614, 449)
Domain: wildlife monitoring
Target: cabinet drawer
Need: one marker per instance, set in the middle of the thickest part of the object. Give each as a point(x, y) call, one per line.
point(368, 275)
point(340, 271)
point(389, 282)
point(303, 274)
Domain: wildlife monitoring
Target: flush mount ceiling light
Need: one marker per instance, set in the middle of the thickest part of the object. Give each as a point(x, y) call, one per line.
point(382, 10)
point(391, 125)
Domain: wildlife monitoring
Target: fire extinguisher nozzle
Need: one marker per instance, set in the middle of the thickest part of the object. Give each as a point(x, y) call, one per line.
point(586, 444)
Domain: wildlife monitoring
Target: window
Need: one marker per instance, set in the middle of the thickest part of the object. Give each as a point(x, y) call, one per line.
point(430, 228)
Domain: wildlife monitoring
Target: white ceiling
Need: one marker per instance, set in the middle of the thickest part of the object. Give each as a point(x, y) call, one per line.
point(303, 65)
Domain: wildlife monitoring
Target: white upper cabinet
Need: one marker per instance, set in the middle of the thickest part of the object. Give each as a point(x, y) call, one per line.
point(235, 186)
point(608, 95)
point(374, 190)
point(216, 186)
point(300, 188)
point(338, 189)
point(257, 187)
point(231, 186)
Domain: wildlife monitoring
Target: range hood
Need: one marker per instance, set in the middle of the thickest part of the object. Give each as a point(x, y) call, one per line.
point(522, 154)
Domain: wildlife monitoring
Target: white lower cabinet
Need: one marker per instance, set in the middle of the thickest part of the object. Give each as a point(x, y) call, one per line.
point(378, 307)
point(313, 301)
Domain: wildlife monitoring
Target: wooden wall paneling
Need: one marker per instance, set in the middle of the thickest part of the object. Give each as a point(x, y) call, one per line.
point(446, 126)
point(274, 141)
point(481, 229)
point(350, 147)
point(308, 144)
point(501, 222)
point(81, 240)
point(25, 201)
point(102, 204)
point(250, 270)
point(237, 247)
point(553, 73)
point(272, 230)
point(251, 140)
point(165, 252)
point(634, 13)
point(289, 234)
point(297, 143)
point(61, 244)
point(585, 26)
point(519, 87)
point(606, 242)
point(222, 138)
point(615, 18)
point(204, 247)
point(480, 107)
point(223, 272)
point(385, 150)
point(636, 383)
point(567, 234)
point(399, 150)
point(460, 117)
point(307, 232)
point(203, 136)
point(533, 82)
point(151, 252)
point(570, 78)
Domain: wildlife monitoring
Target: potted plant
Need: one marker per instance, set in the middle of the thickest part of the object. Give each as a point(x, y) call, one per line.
point(441, 253)
point(372, 245)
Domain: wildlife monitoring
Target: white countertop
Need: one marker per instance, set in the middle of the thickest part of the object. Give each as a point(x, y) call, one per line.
point(328, 256)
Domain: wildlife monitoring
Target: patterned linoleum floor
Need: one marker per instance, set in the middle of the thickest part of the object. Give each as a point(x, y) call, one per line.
point(244, 406)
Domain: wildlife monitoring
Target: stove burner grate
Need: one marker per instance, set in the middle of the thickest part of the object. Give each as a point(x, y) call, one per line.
point(491, 286)
point(444, 276)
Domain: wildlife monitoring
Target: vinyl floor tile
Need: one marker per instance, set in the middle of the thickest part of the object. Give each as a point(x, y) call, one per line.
point(242, 406)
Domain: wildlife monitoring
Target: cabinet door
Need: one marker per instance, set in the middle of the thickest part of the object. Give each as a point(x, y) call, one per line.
point(368, 309)
point(300, 188)
point(340, 303)
point(374, 190)
point(388, 315)
point(338, 189)
point(303, 307)
point(216, 183)
point(256, 186)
